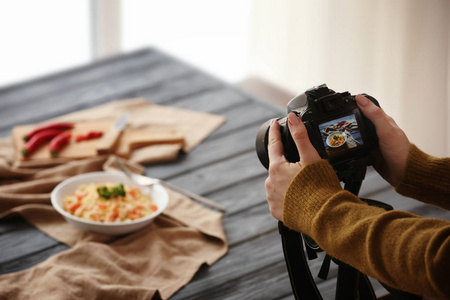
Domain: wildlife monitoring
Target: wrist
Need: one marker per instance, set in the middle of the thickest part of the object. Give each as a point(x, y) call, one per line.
point(306, 194)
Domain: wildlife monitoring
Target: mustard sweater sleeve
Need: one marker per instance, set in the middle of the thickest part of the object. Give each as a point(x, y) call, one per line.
point(426, 179)
point(398, 248)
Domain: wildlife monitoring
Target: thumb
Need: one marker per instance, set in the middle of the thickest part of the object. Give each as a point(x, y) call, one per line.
point(308, 154)
point(372, 112)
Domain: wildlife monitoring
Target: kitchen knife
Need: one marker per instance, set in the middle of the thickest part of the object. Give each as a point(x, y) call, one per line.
point(109, 141)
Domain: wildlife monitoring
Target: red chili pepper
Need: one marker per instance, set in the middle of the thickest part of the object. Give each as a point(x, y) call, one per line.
point(38, 139)
point(58, 142)
point(79, 138)
point(57, 126)
point(89, 136)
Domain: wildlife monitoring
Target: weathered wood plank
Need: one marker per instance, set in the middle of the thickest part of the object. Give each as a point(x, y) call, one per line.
point(23, 241)
point(220, 175)
point(60, 82)
point(178, 88)
point(239, 262)
point(212, 101)
point(30, 260)
point(208, 152)
point(10, 224)
point(249, 223)
point(245, 115)
point(89, 95)
point(270, 283)
point(242, 195)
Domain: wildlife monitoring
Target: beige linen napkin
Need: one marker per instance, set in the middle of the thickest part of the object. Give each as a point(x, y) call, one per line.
point(153, 262)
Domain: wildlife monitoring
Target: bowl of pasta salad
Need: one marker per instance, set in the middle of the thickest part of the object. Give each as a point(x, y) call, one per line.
point(108, 202)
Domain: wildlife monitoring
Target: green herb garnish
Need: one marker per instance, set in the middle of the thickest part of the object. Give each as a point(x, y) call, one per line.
point(115, 191)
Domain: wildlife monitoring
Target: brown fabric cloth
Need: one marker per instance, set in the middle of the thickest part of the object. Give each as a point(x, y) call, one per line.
point(153, 262)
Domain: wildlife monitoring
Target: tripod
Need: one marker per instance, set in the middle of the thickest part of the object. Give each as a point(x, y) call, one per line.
point(351, 284)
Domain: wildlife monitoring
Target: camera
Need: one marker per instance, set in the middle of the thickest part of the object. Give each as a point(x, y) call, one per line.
point(336, 127)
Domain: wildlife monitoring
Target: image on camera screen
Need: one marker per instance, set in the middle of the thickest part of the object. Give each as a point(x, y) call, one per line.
point(340, 135)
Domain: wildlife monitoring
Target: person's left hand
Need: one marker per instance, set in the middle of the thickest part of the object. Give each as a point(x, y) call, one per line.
point(281, 171)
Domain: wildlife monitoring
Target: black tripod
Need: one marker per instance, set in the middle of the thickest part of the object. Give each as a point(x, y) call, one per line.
point(351, 284)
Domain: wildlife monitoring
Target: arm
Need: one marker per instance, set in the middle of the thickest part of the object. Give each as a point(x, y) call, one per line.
point(398, 248)
point(413, 173)
point(426, 179)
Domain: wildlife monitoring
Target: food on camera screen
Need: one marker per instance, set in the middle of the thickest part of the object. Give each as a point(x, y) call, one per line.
point(336, 140)
point(347, 126)
point(108, 202)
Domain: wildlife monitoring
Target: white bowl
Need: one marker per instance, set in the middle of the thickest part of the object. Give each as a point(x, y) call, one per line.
point(158, 194)
point(333, 133)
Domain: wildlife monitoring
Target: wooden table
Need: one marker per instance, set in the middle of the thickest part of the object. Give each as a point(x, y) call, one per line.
point(224, 168)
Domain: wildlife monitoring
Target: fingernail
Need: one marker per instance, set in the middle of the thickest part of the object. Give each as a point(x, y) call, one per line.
point(271, 122)
point(363, 101)
point(293, 119)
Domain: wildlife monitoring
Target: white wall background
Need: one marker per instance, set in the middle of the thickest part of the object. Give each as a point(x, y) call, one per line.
point(397, 51)
point(213, 35)
point(39, 37)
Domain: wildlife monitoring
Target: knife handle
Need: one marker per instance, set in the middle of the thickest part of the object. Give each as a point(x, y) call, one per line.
point(108, 142)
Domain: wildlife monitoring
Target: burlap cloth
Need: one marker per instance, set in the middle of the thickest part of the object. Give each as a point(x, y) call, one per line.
point(151, 263)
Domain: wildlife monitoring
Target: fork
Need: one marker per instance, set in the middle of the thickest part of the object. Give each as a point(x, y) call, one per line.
point(147, 181)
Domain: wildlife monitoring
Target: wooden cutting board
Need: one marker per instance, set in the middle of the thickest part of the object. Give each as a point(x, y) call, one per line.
point(131, 138)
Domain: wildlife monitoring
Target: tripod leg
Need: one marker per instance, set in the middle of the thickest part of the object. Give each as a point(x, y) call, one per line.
point(302, 282)
point(365, 288)
point(347, 283)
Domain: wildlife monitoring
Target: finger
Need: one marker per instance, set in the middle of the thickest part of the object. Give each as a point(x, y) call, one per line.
point(275, 146)
point(306, 150)
point(372, 112)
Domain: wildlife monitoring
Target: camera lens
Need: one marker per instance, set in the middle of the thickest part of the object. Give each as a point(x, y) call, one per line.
point(262, 141)
point(261, 144)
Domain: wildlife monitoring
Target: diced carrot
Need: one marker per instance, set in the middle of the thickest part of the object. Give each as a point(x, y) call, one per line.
point(80, 194)
point(102, 206)
point(153, 207)
point(132, 193)
point(132, 215)
point(74, 206)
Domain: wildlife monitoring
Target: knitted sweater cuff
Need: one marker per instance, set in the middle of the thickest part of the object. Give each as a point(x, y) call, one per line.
point(306, 194)
point(426, 178)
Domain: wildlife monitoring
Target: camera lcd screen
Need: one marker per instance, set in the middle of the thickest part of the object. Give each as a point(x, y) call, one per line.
point(341, 135)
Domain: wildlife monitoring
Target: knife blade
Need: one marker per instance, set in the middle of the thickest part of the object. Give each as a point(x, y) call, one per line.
point(109, 141)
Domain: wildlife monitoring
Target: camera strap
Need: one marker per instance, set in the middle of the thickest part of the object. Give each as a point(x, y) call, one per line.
point(302, 282)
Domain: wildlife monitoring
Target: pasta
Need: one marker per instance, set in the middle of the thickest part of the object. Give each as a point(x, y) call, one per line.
point(336, 140)
point(108, 203)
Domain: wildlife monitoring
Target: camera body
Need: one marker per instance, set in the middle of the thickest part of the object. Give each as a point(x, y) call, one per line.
point(336, 127)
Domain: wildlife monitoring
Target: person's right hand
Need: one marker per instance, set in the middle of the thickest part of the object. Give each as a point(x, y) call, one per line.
point(393, 142)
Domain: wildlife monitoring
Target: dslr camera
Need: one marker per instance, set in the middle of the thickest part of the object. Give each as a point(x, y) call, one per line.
point(336, 127)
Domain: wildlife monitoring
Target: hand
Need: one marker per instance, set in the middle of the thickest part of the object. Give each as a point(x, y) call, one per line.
point(281, 171)
point(393, 142)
